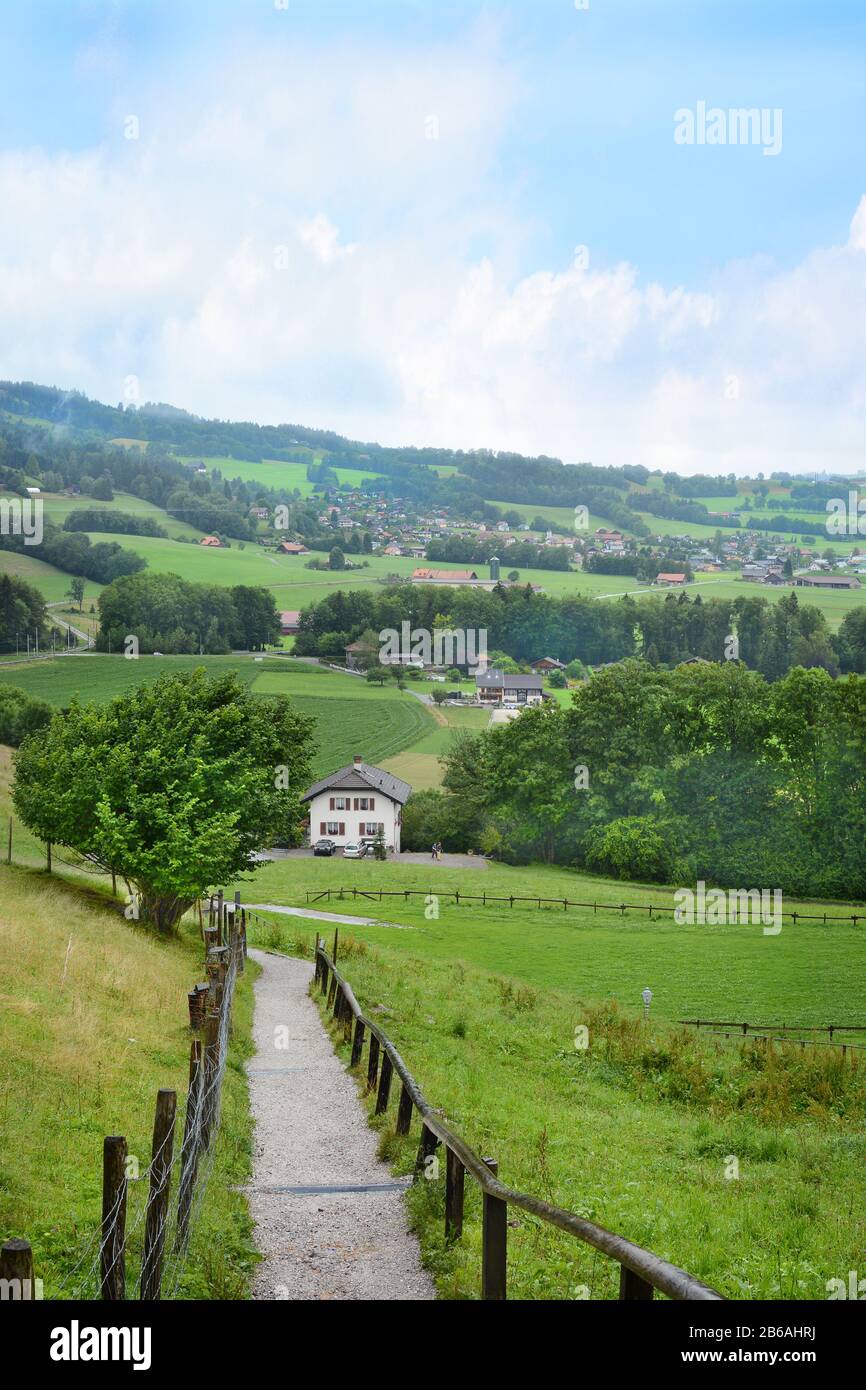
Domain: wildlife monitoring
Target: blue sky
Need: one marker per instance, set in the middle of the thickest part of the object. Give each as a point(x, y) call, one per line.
point(430, 293)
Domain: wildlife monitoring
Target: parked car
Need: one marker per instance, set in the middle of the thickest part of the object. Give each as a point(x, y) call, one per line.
point(355, 849)
point(326, 847)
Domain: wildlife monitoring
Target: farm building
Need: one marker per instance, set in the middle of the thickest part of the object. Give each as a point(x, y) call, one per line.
point(211, 540)
point(427, 576)
point(358, 801)
point(670, 580)
point(827, 581)
point(501, 688)
point(290, 622)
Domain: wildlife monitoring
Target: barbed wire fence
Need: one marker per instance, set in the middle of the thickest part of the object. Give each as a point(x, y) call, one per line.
point(140, 1247)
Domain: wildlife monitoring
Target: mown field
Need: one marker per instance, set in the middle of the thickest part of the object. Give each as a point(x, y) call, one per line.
point(274, 474)
point(809, 974)
point(93, 1021)
point(351, 716)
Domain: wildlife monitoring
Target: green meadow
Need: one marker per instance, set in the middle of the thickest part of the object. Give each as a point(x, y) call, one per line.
point(740, 1162)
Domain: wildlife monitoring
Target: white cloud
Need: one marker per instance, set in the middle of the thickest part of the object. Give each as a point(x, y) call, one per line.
point(323, 238)
point(380, 316)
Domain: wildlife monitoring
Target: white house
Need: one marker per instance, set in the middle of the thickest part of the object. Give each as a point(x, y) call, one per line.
point(358, 800)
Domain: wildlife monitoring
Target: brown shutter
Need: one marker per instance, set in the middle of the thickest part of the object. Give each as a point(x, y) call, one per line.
point(323, 830)
point(342, 827)
point(356, 803)
point(372, 803)
point(332, 803)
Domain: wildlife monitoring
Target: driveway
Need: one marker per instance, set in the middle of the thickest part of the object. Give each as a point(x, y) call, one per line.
point(448, 861)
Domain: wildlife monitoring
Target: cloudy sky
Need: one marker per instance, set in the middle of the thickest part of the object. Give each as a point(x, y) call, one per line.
point(448, 222)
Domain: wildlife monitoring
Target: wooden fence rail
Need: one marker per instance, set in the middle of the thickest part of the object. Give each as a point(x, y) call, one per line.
point(487, 899)
point(781, 1032)
point(641, 1272)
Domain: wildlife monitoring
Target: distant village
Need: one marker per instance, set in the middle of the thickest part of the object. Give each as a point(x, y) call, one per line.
point(392, 528)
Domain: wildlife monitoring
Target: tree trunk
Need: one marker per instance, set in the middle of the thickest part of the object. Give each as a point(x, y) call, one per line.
point(164, 910)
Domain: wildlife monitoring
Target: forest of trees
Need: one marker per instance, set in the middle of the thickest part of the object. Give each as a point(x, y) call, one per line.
point(772, 636)
point(174, 616)
point(468, 551)
point(101, 561)
point(22, 612)
point(706, 771)
point(108, 519)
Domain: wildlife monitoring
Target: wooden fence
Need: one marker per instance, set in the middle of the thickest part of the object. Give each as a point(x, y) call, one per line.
point(488, 899)
point(641, 1272)
point(781, 1032)
point(165, 1226)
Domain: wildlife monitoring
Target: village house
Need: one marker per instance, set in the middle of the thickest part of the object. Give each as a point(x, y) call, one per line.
point(293, 548)
point(501, 688)
point(210, 540)
point(290, 622)
point(547, 663)
point(670, 580)
point(355, 802)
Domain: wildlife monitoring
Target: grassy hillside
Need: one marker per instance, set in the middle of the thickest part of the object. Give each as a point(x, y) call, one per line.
point(92, 1024)
point(291, 476)
point(636, 1133)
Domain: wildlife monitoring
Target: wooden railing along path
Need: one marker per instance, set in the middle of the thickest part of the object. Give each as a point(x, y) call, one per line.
point(641, 1272)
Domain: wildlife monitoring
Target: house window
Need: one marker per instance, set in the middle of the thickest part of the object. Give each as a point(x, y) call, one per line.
point(372, 827)
point(364, 803)
point(339, 803)
point(336, 827)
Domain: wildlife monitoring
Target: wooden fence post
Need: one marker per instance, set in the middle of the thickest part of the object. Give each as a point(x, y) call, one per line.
point(494, 1235)
point(336, 944)
point(455, 1178)
point(48, 856)
point(426, 1149)
point(357, 1044)
point(9, 845)
point(157, 1199)
point(16, 1262)
point(373, 1062)
point(632, 1286)
point(112, 1250)
point(190, 1147)
point(384, 1085)
point(211, 1068)
point(338, 1003)
point(404, 1112)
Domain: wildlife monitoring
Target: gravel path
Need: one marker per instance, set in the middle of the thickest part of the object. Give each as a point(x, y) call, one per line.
point(330, 1218)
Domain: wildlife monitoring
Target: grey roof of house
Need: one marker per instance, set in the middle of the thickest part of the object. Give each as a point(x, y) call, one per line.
point(361, 777)
point(497, 680)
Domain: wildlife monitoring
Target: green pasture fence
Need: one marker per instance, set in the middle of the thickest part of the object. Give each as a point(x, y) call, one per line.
point(488, 899)
point(641, 1272)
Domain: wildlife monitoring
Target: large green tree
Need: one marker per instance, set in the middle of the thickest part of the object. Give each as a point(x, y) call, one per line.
point(173, 786)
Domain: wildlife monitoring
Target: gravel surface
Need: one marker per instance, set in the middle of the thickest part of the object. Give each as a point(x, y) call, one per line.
point(312, 1133)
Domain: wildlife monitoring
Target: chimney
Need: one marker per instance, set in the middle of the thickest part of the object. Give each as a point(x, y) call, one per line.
point(358, 760)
